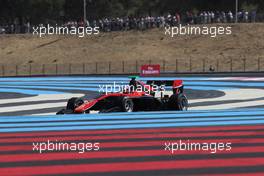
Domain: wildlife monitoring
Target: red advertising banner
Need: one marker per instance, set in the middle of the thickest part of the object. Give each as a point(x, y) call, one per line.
point(150, 70)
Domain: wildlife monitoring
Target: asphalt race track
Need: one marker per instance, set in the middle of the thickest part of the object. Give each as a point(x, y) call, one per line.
point(222, 110)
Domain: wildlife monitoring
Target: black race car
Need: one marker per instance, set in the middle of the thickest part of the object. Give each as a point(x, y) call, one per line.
point(138, 96)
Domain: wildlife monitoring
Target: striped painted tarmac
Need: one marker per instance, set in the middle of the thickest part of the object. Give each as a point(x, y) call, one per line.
point(132, 143)
point(141, 148)
point(236, 92)
point(130, 120)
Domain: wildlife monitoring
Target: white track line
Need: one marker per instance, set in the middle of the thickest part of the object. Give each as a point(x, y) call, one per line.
point(239, 78)
point(53, 113)
point(42, 97)
point(31, 107)
point(43, 114)
point(241, 94)
point(229, 105)
point(36, 106)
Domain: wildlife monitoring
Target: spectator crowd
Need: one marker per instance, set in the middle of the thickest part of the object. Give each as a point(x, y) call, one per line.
point(142, 23)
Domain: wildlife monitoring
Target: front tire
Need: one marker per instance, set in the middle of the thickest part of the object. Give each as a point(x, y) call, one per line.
point(74, 103)
point(61, 112)
point(71, 103)
point(64, 111)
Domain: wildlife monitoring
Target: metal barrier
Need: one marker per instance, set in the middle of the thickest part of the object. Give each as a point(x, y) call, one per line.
point(188, 65)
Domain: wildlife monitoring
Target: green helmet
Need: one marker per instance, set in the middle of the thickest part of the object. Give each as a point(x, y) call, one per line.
point(133, 77)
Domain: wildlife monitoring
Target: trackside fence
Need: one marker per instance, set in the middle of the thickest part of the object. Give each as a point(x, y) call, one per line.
point(188, 65)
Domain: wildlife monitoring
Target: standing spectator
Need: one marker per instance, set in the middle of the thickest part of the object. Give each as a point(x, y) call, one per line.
point(205, 17)
point(162, 19)
point(212, 17)
point(190, 17)
point(209, 17)
point(127, 24)
point(217, 16)
point(240, 16)
point(87, 23)
point(223, 17)
point(101, 25)
point(245, 16)
point(174, 21)
point(133, 23)
point(28, 27)
point(253, 16)
point(178, 16)
point(202, 18)
point(230, 17)
point(94, 23)
point(142, 24)
point(158, 22)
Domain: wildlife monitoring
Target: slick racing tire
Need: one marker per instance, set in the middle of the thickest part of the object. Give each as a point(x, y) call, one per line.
point(64, 111)
point(61, 112)
point(127, 105)
point(178, 102)
point(73, 103)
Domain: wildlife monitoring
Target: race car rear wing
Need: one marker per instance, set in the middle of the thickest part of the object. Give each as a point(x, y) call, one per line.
point(177, 85)
point(174, 84)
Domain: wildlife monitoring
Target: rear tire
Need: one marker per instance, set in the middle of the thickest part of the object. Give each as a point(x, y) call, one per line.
point(127, 105)
point(178, 102)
